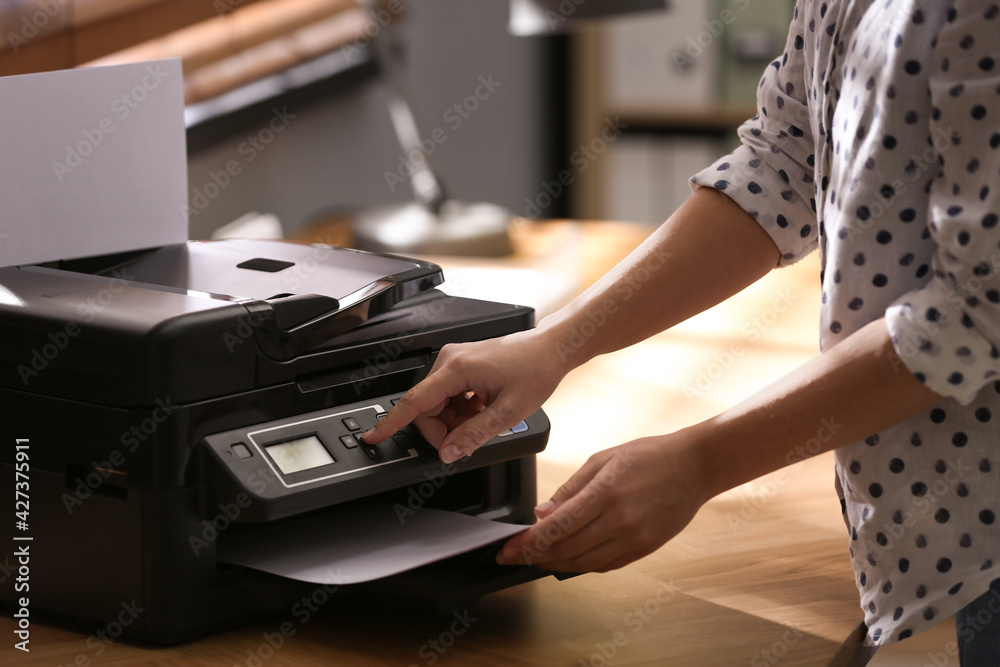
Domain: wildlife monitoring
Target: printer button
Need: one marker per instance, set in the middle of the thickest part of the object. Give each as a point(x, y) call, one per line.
point(348, 441)
point(380, 416)
point(373, 453)
point(403, 441)
point(351, 424)
point(241, 451)
point(518, 428)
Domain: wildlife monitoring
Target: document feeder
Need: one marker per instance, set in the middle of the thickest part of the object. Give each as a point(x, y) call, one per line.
point(173, 396)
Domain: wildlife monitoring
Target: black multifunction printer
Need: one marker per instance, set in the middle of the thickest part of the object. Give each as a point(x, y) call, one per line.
point(156, 403)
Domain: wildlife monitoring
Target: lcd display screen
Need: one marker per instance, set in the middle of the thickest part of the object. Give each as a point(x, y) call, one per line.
point(300, 454)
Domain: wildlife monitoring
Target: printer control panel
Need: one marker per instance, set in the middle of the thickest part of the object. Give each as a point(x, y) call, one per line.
point(327, 446)
point(295, 464)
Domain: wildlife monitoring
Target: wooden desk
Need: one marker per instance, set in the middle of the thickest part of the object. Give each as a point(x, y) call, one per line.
point(761, 576)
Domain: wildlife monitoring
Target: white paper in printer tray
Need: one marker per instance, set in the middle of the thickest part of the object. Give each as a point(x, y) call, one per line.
point(360, 544)
point(92, 161)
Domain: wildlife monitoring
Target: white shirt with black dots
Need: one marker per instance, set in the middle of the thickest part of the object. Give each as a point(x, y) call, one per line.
point(877, 140)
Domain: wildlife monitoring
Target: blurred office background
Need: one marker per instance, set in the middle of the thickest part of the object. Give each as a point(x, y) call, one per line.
point(287, 116)
point(607, 123)
point(339, 152)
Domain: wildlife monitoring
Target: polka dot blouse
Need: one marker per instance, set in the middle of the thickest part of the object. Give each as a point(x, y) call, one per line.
point(877, 140)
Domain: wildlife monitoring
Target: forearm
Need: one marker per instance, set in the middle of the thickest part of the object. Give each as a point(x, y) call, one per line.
point(708, 250)
point(850, 392)
point(628, 500)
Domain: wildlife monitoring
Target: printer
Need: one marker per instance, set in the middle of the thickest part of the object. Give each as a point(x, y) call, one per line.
point(157, 403)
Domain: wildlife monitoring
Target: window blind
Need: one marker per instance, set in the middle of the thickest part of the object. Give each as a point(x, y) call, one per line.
point(222, 44)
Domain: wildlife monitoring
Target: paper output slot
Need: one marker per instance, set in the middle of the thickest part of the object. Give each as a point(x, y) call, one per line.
point(366, 374)
point(359, 544)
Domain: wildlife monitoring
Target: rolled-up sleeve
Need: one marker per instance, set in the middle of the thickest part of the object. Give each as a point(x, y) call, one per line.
point(770, 175)
point(948, 332)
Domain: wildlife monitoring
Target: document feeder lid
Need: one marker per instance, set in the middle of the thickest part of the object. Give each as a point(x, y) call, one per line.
point(312, 292)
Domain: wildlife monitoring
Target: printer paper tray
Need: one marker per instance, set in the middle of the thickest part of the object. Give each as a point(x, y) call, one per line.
point(457, 582)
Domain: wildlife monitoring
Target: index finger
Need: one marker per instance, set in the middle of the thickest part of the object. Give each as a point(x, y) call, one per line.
point(427, 397)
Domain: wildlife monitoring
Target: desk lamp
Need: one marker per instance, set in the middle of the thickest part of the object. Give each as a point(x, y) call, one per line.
point(433, 223)
point(545, 17)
